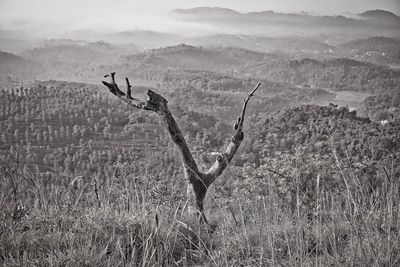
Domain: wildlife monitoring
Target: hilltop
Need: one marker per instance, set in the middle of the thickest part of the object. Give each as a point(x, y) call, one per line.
point(381, 16)
point(190, 57)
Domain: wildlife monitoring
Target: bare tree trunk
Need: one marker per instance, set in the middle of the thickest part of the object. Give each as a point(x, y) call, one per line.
point(198, 182)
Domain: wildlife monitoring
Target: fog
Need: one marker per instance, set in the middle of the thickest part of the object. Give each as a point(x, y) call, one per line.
point(60, 18)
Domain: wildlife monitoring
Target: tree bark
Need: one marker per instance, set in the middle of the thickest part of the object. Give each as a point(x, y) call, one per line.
point(198, 182)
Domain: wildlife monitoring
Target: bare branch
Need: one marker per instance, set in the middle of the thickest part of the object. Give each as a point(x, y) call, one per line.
point(128, 89)
point(241, 118)
point(225, 158)
point(198, 182)
point(158, 104)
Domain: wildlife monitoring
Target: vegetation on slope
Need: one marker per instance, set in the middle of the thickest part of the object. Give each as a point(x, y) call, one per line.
point(86, 181)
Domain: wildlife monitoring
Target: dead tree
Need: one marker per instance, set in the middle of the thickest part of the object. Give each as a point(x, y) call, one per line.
point(198, 182)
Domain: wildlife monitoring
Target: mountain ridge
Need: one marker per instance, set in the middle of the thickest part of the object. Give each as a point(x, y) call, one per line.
point(227, 11)
point(270, 23)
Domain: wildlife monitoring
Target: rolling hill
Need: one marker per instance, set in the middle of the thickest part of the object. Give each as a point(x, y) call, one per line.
point(143, 39)
point(190, 57)
point(382, 17)
point(335, 74)
point(375, 49)
point(14, 68)
point(293, 44)
point(9, 58)
point(332, 73)
point(78, 52)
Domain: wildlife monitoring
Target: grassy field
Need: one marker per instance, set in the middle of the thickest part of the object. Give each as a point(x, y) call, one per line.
point(124, 221)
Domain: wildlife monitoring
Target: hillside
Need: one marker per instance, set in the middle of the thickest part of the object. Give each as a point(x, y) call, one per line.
point(324, 129)
point(64, 53)
point(375, 49)
point(190, 57)
point(334, 73)
point(93, 168)
point(9, 58)
point(293, 45)
point(73, 60)
point(383, 107)
point(77, 52)
point(13, 67)
point(76, 60)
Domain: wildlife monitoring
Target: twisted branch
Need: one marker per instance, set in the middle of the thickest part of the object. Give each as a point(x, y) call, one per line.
point(198, 181)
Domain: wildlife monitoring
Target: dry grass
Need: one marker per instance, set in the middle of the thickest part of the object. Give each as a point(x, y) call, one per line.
point(125, 224)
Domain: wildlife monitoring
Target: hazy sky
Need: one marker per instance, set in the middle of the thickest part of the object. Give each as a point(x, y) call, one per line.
point(49, 17)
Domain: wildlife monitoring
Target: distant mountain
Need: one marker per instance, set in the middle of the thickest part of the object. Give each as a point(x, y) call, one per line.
point(78, 52)
point(381, 16)
point(15, 41)
point(76, 60)
point(217, 12)
point(269, 23)
point(207, 11)
point(98, 46)
point(146, 39)
point(143, 39)
point(65, 54)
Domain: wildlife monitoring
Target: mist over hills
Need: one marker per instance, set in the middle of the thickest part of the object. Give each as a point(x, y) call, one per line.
point(204, 24)
point(339, 68)
point(144, 39)
point(299, 49)
point(9, 58)
point(291, 44)
point(73, 51)
point(270, 23)
point(16, 66)
point(381, 16)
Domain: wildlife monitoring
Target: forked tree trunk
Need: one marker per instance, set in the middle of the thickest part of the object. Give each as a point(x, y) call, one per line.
point(198, 182)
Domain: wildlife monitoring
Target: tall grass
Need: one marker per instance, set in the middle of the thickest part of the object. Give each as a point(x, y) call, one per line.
point(120, 220)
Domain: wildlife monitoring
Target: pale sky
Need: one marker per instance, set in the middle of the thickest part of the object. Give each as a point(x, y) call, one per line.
point(49, 17)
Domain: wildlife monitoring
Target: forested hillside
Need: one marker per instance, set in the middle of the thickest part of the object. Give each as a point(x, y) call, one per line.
point(62, 140)
point(335, 74)
point(375, 49)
